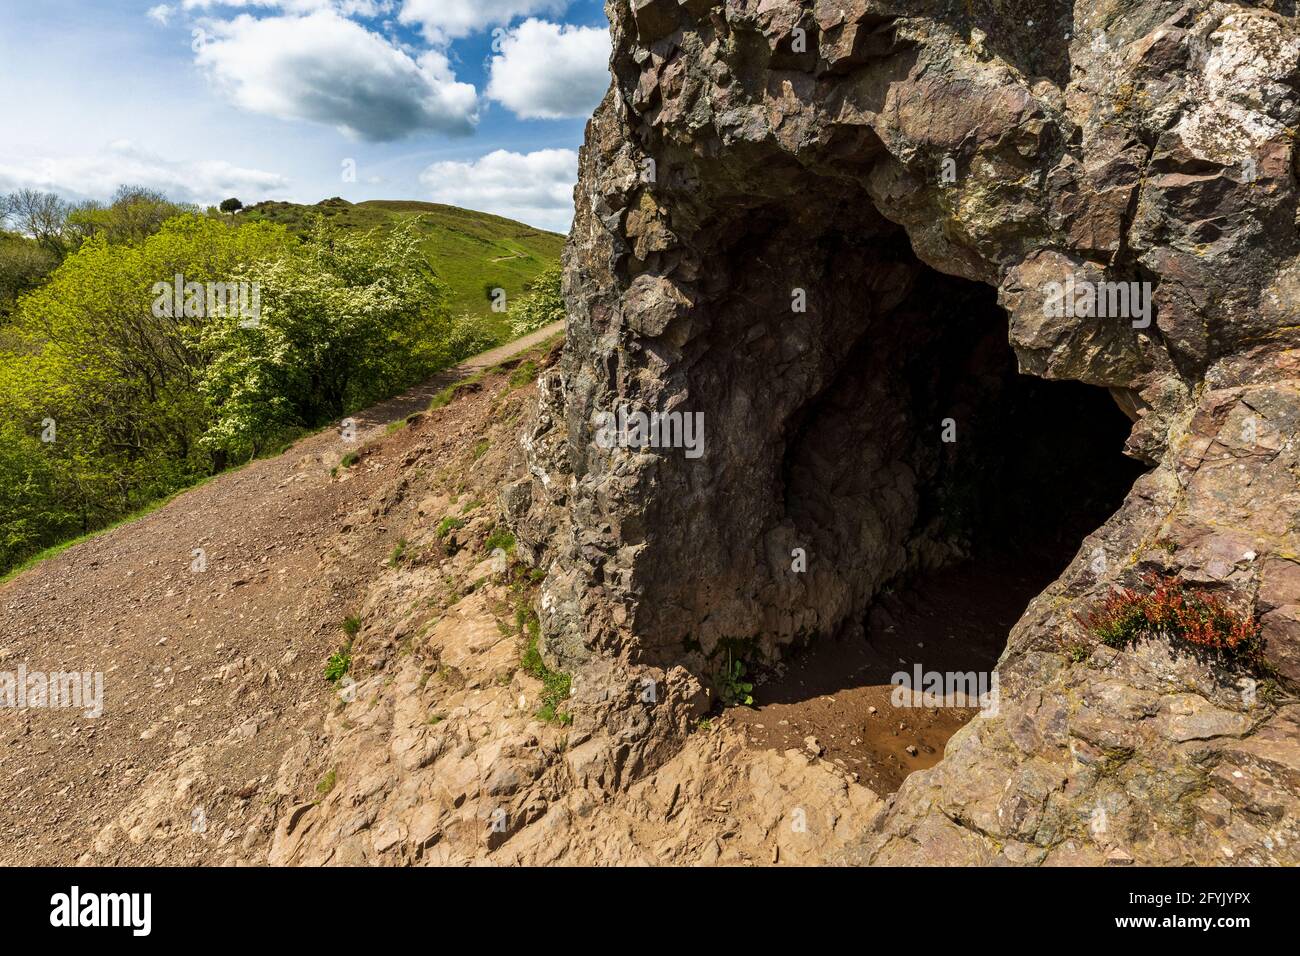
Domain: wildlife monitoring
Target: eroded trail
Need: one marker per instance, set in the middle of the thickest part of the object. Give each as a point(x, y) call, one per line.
point(210, 620)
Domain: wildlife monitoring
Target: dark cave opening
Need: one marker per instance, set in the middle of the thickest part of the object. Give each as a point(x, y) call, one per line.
point(1009, 473)
point(882, 489)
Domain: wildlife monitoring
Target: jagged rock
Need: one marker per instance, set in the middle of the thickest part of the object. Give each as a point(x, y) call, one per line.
point(728, 178)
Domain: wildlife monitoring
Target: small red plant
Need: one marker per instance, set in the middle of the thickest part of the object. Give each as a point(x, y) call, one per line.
point(1190, 615)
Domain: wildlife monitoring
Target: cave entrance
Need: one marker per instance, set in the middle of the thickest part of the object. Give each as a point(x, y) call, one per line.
point(1011, 472)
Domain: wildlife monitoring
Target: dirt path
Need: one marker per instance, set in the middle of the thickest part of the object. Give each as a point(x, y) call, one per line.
point(209, 619)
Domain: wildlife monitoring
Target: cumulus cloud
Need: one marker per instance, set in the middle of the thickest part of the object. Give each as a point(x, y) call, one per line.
point(550, 71)
point(161, 13)
point(328, 69)
point(204, 181)
point(443, 20)
point(536, 188)
point(348, 8)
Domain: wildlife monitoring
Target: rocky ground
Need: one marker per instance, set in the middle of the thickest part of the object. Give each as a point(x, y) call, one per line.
point(790, 219)
point(228, 746)
point(211, 620)
point(222, 743)
point(822, 248)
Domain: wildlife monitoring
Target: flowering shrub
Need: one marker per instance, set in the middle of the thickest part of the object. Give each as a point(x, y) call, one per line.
point(542, 305)
point(1188, 615)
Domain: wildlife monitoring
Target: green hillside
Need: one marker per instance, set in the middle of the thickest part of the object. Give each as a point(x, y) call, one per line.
point(473, 252)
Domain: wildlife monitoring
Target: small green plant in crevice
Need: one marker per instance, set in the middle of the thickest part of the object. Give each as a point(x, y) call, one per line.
point(1078, 652)
point(447, 525)
point(481, 447)
point(449, 394)
point(350, 459)
point(435, 719)
point(1200, 621)
point(500, 538)
point(523, 374)
point(556, 685)
point(337, 666)
point(398, 555)
point(351, 626)
point(733, 689)
point(327, 782)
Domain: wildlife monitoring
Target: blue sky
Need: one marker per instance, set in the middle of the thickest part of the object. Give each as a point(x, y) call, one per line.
point(479, 103)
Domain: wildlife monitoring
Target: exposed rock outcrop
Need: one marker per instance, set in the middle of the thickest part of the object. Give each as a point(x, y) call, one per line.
point(779, 203)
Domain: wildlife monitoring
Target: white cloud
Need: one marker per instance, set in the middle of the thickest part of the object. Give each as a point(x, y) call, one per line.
point(328, 69)
point(549, 71)
point(536, 188)
point(161, 13)
point(348, 8)
point(443, 20)
point(204, 181)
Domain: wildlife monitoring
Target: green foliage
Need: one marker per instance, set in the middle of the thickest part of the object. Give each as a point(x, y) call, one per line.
point(24, 264)
point(556, 685)
point(327, 782)
point(398, 555)
point(447, 525)
point(471, 251)
point(543, 304)
point(99, 405)
point(143, 396)
point(337, 666)
point(733, 689)
point(351, 625)
point(131, 216)
point(500, 538)
point(524, 373)
point(145, 403)
point(346, 320)
point(447, 395)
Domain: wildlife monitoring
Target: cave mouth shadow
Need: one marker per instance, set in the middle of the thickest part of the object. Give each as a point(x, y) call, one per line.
point(1013, 473)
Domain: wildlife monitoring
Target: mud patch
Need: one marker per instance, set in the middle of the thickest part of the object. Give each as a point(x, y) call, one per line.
point(839, 691)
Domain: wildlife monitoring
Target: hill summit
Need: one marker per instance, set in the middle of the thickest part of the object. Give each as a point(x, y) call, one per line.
point(473, 252)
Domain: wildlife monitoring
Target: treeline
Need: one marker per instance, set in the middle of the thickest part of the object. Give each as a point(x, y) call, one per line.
point(40, 229)
point(145, 345)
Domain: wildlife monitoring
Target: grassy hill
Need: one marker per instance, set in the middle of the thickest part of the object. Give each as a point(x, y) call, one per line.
point(473, 252)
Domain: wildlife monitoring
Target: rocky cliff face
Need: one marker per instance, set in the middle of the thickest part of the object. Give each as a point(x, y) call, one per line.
point(781, 206)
